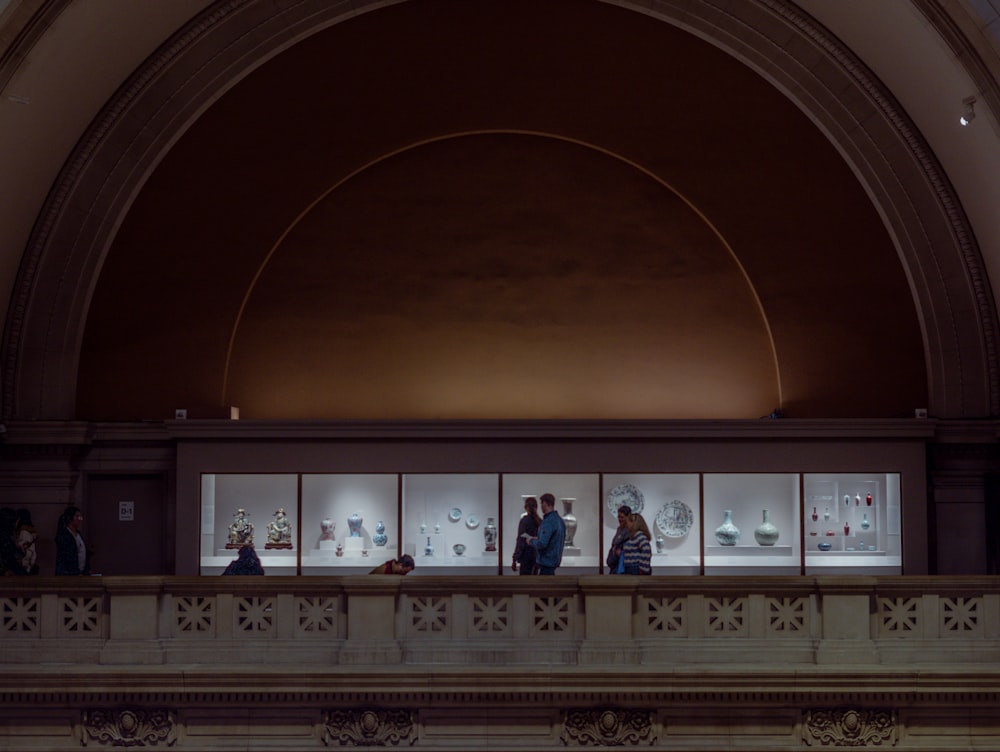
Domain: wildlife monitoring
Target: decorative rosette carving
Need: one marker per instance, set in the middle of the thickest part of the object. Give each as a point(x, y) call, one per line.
point(840, 727)
point(129, 728)
point(369, 728)
point(608, 727)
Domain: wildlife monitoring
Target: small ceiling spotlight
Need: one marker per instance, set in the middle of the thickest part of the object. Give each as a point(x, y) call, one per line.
point(969, 113)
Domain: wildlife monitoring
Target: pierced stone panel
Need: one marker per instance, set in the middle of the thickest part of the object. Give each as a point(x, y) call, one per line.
point(666, 616)
point(194, 616)
point(490, 615)
point(254, 614)
point(787, 617)
point(316, 616)
point(19, 615)
point(725, 616)
point(611, 727)
point(840, 727)
point(898, 617)
point(429, 614)
point(80, 616)
point(551, 615)
point(961, 617)
point(128, 728)
point(369, 728)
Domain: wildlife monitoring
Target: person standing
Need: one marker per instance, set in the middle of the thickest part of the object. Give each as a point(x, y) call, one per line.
point(637, 552)
point(621, 535)
point(527, 527)
point(550, 539)
point(71, 552)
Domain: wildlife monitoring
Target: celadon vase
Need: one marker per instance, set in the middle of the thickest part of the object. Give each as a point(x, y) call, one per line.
point(766, 533)
point(727, 533)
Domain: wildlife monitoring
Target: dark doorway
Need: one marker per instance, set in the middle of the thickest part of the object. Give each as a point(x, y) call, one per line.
point(124, 523)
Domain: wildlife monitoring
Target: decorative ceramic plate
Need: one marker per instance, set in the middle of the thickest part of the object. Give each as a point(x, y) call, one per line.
point(455, 514)
point(626, 494)
point(472, 522)
point(675, 519)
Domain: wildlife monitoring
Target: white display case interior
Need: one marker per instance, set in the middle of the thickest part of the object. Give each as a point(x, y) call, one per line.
point(577, 496)
point(671, 506)
point(259, 496)
point(852, 523)
point(752, 523)
point(350, 522)
point(452, 521)
point(466, 523)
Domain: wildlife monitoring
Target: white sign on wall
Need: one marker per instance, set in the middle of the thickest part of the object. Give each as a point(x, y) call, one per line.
point(126, 511)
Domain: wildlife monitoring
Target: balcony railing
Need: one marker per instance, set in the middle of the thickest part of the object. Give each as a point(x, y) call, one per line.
point(560, 621)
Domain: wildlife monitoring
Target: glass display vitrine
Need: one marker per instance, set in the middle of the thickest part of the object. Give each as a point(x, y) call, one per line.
point(852, 523)
point(451, 522)
point(262, 510)
point(671, 506)
point(752, 523)
point(350, 522)
point(577, 498)
point(455, 523)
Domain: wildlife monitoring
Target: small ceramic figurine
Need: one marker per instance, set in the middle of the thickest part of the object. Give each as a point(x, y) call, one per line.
point(279, 531)
point(240, 530)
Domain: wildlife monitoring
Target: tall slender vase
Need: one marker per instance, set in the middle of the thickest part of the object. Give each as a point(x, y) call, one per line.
point(490, 534)
point(766, 534)
point(727, 533)
point(570, 520)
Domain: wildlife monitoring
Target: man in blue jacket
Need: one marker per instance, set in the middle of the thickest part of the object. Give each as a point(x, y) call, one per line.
point(551, 537)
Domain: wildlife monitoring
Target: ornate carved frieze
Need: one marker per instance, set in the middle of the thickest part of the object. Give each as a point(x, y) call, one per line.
point(848, 727)
point(128, 728)
point(369, 728)
point(609, 727)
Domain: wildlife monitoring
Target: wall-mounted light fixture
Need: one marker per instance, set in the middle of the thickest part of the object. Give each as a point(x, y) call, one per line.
point(969, 113)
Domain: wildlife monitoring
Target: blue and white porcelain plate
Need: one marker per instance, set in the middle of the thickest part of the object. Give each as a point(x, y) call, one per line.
point(472, 522)
point(455, 514)
point(626, 494)
point(675, 519)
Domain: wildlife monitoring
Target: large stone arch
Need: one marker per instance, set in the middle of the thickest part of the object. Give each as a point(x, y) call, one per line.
point(165, 96)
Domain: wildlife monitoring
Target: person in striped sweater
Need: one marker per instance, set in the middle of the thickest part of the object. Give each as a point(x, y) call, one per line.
point(637, 553)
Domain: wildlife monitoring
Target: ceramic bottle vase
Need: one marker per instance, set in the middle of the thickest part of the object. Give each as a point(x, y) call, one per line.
point(570, 520)
point(380, 538)
point(727, 533)
point(766, 533)
point(354, 525)
point(490, 534)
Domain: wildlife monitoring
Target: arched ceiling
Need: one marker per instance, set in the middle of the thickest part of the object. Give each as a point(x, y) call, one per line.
point(405, 215)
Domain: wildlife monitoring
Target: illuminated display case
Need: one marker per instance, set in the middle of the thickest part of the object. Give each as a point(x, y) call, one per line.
point(349, 522)
point(452, 522)
point(752, 523)
point(259, 496)
point(455, 523)
point(852, 523)
point(672, 510)
point(577, 497)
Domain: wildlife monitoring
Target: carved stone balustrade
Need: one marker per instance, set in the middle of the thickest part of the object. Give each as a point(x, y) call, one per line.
point(504, 662)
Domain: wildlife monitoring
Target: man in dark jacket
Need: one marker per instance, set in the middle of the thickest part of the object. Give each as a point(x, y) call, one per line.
point(551, 537)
